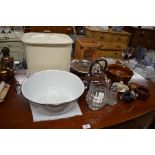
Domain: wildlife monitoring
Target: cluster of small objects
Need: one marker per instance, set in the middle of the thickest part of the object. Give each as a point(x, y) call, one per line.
point(129, 96)
point(135, 92)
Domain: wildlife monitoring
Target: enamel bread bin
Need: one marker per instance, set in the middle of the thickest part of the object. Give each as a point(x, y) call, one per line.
point(47, 51)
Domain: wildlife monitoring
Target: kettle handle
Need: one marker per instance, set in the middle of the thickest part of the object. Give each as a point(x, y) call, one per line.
point(101, 67)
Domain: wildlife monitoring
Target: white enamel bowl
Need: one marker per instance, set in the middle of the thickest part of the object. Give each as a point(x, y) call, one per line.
point(53, 89)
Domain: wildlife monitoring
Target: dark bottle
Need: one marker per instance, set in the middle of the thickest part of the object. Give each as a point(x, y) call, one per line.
point(7, 60)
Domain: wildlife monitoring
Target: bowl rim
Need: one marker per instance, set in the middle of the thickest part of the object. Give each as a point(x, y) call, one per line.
point(80, 61)
point(53, 103)
point(120, 65)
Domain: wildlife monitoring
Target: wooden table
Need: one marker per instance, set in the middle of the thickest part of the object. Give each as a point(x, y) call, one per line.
point(15, 112)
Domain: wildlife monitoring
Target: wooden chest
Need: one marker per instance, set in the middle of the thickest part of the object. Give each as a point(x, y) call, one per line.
point(112, 43)
point(86, 48)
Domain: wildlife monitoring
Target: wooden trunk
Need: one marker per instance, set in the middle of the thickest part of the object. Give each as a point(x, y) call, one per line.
point(112, 43)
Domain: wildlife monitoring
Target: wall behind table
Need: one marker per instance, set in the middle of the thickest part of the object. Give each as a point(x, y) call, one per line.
point(141, 37)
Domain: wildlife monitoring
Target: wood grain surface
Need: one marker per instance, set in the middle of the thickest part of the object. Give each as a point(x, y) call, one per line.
point(15, 112)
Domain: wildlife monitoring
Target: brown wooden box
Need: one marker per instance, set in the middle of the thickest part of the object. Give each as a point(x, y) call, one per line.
point(86, 48)
point(112, 43)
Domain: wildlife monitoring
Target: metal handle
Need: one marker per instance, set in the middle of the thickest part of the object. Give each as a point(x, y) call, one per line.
point(98, 62)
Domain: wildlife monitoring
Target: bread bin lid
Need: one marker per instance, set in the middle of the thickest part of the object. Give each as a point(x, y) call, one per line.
point(46, 38)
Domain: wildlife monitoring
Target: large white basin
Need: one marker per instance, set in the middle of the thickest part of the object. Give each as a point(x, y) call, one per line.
point(53, 88)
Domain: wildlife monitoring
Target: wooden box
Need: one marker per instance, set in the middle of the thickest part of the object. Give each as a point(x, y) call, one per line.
point(112, 43)
point(86, 48)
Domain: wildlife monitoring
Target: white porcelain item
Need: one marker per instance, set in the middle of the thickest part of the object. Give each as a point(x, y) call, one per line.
point(55, 88)
point(121, 87)
point(47, 51)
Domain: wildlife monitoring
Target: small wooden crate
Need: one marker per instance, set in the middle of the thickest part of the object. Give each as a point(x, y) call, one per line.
point(86, 48)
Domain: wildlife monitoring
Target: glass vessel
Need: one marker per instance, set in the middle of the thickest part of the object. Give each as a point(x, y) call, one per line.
point(96, 96)
point(112, 96)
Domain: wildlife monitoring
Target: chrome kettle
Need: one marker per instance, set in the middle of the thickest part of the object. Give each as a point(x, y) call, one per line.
point(96, 72)
point(96, 96)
